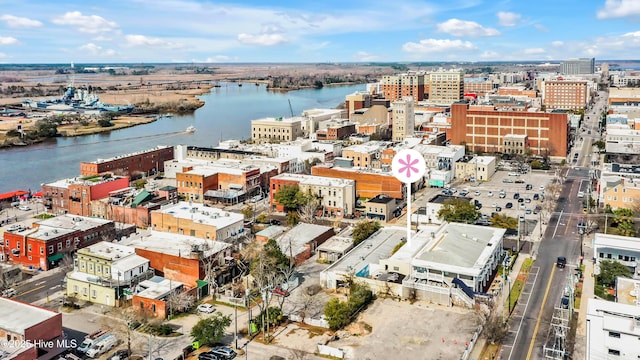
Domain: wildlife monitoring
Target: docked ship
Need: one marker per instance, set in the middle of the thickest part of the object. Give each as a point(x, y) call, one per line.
point(76, 100)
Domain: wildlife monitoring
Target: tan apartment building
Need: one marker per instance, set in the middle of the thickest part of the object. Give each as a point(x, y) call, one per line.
point(364, 155)
point(404, 119)
point(275, 130)
point(517, 91)
point(198, 220)
point(218, 181)
point(565, 95)
point(625, 195)
point(446, 86)
point(515, 144)
point(356, 101)
point(337, 197)
point(395, 87)
point(478, 86)
point(478, 168)
point(485, 130)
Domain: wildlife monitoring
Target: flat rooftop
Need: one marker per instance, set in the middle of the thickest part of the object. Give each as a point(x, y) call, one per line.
point(173, 244)
point(462, 247)
point(16, 316)
point(98, 161)
point(157, 287)
point(315, 180)
point(441, 198)
point(278, 120)
point(73, 222)
point(338, 243)
point(616, 242)
point(107, 250)
point(627, 291)
point(378, 246)
point(82, 180)
point(301, 234)
point(203, 214)
point(367, 148)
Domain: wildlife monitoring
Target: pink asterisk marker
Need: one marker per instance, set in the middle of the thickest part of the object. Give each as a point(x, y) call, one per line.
point(408, 165)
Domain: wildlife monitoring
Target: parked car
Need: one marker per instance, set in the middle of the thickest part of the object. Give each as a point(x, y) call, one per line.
point(15, 227)
point(520, 200)
point(521, 218)
point(10, 292)
point(528, 212)
point(527, 200)
point(536, 197)
point(513, 174)
point(206, 308)
point(464, 193)
point(498, 209)
point(519, 181)
point(509, 205)
point(207, 356)
point(507, 180)
point(564, 303)
point(24, 208)
point(274, 222)
point(121, 354)
point(516, 196)
point(529, 187)
point(223, 352)
point(477, 193)
point(278, 290)
point(490, 194)
point(503, 194)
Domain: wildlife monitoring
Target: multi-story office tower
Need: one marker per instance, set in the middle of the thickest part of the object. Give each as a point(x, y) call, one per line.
point(565, 95)
point(446, 86)
point(395, 87)
point(578, 66)
point(404, 119)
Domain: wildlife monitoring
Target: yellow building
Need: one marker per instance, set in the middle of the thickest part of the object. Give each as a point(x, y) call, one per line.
point(275, 130)
point(104, 272)
point(624, 195)
point(446, 86)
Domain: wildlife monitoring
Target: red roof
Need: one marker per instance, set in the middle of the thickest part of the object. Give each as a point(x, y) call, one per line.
point(12, 194)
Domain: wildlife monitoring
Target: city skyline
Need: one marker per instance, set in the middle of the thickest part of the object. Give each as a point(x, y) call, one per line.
point(249, 31)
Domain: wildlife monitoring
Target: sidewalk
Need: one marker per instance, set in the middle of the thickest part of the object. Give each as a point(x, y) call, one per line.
point(476, 353)
point(588, 284)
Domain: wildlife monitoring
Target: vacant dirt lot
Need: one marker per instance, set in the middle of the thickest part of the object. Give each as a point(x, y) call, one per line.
point(400, 330)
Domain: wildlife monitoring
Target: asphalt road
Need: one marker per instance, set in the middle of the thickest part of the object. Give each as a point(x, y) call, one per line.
point(39, 288)
point(528, 335)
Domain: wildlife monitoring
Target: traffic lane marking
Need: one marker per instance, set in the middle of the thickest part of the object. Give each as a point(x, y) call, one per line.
point(540, 313)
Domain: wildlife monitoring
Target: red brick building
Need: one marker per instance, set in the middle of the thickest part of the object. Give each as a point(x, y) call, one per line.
point(23, 325)
point(336, 132)
point(45, 245)
point(133, 165)
point(75, 195)
point(368, 183)
point(565, 95)
point(395, 87)
point(485, 130)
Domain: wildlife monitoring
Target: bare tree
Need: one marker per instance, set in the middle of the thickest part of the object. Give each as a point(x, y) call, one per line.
point(307, 212)
point(123, 325)
point(180, 301)
point(495, 329)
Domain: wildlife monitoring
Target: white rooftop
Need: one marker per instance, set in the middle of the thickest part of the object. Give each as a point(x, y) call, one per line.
point(82, 180)
point(73, 222)
point(273, 120)
point(174, 244)
point(157, 287)
point(315, 180)
point(203, 214)
point(294, 240)
point(616, 241)
point(368, 147)
point(16, 316)
point(463, 248)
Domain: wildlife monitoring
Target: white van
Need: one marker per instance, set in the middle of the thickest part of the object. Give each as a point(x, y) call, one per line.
point(102, 345)
point(580, 194)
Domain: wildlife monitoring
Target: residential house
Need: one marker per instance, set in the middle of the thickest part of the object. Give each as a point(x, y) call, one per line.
point(381, 208)
point(301, 242)
point(153, 297)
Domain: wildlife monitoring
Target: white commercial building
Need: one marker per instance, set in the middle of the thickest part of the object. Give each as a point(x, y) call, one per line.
point(613, 330)
point(623, 249)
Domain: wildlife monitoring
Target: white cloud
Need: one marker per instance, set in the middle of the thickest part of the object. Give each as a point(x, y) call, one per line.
point(91, 24)
point(262, 39)
point(540, 28)
point(557, 43)
point(97, 50)
point(508, 19)
point(141, 40)
point(428, 46)
point(365, 56)
point(619, 8)
point(217, 58)
point(8, 40)
point(462, 28)
point(534, 51)
point(19, 22)
point(490, 55)
point(101, 38)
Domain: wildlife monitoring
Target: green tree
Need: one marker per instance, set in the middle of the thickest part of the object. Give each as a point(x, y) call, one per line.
point(600, 144)
point(46, 128)
point(622, 222)
point(262, 218)
point(363, 230)
point(210, 330)
point(293, 218)
point(337, 314)
point(273, 252)
point(458, 210)
point(290, 197)
point(504, 221)
point(609, 270)
point(247, 211)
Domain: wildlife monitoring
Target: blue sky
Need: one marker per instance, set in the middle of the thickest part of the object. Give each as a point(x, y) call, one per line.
point(111, 31)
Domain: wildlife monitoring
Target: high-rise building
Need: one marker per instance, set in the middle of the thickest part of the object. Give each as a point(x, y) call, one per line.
point(578, 66)
point(565, 95)
point(404, 119)
point(446, 86)
point(395, 87)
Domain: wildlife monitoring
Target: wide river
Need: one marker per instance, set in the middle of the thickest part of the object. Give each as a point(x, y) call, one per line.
point(227, 114)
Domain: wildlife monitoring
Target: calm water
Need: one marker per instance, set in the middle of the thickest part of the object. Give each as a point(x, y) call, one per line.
point(227, 114)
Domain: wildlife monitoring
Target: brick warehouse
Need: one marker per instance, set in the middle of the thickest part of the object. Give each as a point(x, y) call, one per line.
point(134, 165)
point(485, 130)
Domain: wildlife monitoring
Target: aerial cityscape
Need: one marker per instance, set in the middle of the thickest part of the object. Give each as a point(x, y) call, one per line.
point(191, 180)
